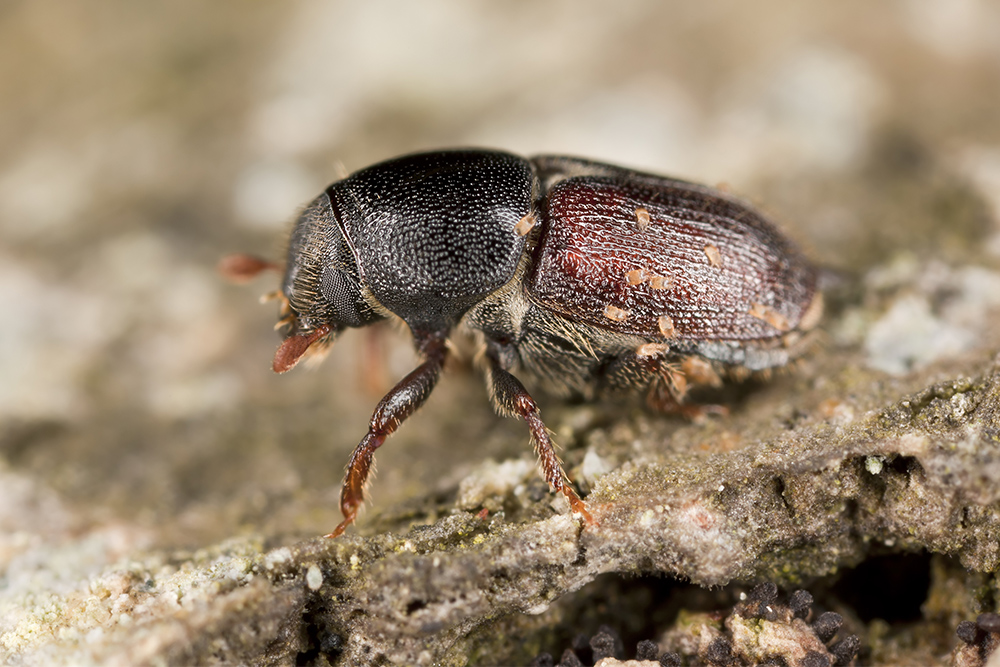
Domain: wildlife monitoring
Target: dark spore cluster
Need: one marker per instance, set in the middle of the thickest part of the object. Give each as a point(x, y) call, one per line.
point(761, 629)
point(978, 640)
point(605, 643)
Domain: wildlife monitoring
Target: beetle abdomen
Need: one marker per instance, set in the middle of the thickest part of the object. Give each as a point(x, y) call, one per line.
point(666, 260)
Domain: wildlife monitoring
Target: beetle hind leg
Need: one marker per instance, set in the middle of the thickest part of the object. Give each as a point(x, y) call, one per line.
point(669, 387)
point(511, 399)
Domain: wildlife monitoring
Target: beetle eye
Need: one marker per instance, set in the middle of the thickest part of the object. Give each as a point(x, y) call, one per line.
point(343, 297)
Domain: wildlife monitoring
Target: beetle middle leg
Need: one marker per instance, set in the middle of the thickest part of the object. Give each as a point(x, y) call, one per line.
point(401, 402)
point(511, 398)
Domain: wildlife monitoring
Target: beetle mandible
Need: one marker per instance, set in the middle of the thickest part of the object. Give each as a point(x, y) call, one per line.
point(578, 276)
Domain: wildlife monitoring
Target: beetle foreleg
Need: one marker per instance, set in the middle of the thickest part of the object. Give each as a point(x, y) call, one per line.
point(511, 398)
point(401, 402)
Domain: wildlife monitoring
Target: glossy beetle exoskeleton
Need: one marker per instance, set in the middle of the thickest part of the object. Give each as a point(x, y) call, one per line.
point(578, 276)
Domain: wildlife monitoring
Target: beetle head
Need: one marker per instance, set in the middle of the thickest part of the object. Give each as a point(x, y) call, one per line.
point(423, 237)
point(321, 291)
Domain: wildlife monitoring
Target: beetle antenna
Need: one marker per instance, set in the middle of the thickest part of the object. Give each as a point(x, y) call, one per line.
point(240, 268)
point(294, 347)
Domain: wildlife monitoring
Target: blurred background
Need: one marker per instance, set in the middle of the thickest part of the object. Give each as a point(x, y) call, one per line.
point(140, 142)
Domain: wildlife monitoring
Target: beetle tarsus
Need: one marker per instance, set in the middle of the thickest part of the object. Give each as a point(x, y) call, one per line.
point(401, 402)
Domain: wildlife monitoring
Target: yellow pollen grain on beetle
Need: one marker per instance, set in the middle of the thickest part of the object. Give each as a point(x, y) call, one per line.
point(770, 315)
point(666, 325)
point(638, 276)
point(651, 349)
point(615, 314)
point(813, 313)
point(525, 224)
point(641, 219)
point(713, 254)
point(660, 282)
point(700, 371)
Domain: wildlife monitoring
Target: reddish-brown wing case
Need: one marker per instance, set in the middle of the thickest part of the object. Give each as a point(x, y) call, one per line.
point(620, 255)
